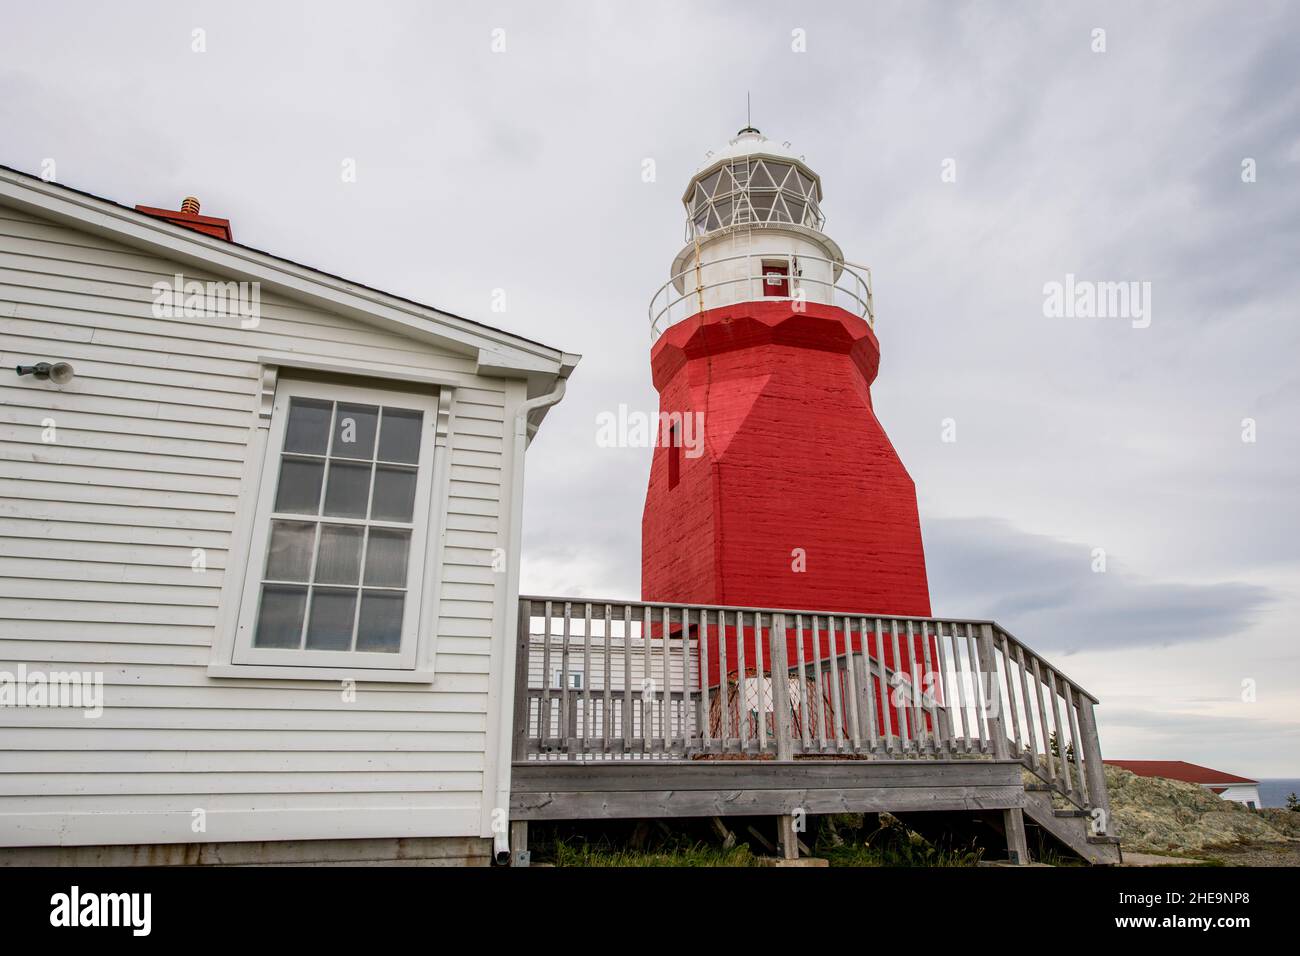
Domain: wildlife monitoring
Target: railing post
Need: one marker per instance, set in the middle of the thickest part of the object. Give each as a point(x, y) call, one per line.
point(781, 689)
point(567, 731)
point(522, 704)
point(1098, 795)
point(544, 701)
point(628, 720)
point(993, 698)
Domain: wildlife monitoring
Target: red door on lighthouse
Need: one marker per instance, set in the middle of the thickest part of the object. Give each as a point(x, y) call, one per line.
point(776, 279)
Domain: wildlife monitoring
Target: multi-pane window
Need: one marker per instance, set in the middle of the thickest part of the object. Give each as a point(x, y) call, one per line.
point(341, 527)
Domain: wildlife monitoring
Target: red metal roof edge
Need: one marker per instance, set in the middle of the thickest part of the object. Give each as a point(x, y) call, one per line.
point(1179, 770)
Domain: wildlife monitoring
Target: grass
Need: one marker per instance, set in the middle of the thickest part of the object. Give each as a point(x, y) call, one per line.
point(694, 854)
point(891, 845)
point(863, 854)
point(851, 854)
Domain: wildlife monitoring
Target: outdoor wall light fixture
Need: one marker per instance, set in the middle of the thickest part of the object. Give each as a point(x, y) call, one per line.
point(60, 373)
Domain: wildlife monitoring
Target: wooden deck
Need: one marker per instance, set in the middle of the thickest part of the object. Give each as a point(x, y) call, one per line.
point(644, 710)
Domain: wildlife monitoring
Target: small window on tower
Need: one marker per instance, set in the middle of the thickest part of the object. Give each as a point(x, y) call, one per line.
point(674, 456)
point(776, 278)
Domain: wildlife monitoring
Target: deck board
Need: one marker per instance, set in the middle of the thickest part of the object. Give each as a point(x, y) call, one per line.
point(543, 790)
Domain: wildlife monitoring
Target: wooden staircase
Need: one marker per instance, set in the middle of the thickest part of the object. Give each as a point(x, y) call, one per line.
point(1079, 828)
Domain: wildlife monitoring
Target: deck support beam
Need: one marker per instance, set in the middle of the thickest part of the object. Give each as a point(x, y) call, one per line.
point(1013, 824)
point(519, 855)
point(721, 829)
point(789, 838)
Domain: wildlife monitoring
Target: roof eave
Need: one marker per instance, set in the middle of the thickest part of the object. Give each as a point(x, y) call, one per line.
point(498, 353)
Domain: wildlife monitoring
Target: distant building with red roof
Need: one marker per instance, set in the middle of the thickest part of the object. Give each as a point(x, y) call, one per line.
point(1227, 785)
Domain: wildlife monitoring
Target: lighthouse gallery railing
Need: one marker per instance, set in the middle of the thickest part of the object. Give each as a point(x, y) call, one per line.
point(847, 288)
point(602, 680)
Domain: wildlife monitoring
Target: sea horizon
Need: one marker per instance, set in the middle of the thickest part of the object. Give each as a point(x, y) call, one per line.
point(1273, 791)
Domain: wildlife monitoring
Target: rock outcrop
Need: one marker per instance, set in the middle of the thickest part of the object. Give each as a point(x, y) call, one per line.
point(1158, 815)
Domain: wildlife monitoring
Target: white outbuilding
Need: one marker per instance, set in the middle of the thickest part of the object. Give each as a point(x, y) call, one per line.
point(1229, 786)
point(259, 548)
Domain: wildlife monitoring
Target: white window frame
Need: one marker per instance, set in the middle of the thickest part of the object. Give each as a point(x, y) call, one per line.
point(334, 664)
point(575, 680)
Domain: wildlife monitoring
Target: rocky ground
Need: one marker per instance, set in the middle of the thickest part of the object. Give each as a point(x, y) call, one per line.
point(1156, 815)
point(1257, 854)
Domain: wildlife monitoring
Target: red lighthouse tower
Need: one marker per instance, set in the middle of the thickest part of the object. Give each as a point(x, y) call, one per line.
point(779, 486)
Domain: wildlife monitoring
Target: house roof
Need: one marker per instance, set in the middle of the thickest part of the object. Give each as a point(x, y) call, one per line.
point(498, 353)
point(1179, 770)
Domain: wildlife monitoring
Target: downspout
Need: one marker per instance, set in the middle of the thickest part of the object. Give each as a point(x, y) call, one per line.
point(506, 671)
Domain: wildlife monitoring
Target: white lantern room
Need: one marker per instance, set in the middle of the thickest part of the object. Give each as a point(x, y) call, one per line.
point(754, 232)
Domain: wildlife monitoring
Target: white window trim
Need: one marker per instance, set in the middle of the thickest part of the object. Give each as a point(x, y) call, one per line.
point(261, 471)
point(575, 679)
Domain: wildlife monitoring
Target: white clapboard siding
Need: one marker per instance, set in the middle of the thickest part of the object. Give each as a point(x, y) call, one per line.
point(590, 663)
point(97, 531)
point(594, 676)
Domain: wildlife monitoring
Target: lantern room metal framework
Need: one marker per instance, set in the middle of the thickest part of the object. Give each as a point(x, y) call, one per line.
point(754, 232)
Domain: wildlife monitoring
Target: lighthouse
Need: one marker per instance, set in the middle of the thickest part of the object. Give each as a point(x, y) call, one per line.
point(774, 483)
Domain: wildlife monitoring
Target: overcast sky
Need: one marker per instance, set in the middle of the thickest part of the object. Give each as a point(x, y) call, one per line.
point(521, 170)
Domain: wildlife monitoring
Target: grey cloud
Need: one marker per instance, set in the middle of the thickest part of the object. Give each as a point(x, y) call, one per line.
point(1250, 746)
point(1044, 590)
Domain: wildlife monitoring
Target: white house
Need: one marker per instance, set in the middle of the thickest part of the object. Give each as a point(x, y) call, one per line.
point(259, 555)
point(1226, 785)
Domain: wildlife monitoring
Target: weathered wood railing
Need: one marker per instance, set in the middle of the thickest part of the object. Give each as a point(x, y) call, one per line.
point(636, 680)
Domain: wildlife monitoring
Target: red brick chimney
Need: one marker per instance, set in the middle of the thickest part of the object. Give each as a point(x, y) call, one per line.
point(188, 216)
